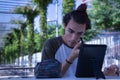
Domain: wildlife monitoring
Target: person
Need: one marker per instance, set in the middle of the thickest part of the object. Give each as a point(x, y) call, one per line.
point(112, 70)
point(65, 48)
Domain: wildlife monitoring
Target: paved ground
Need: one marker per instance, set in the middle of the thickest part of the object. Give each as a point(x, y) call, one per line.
point(9, 72)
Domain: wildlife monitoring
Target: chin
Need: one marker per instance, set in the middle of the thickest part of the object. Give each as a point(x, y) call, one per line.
point(70, 44)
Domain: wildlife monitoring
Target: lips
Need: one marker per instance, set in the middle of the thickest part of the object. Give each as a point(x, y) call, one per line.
point(72, 44)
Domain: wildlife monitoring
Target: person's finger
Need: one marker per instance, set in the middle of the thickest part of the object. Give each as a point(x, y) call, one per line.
point(77, 45)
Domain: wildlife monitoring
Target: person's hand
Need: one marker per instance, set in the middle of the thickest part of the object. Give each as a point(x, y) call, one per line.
point(75, 52)
point(113, 70)
point(71, 58)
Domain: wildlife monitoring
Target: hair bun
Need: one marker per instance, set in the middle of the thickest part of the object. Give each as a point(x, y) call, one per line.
point(82, 7)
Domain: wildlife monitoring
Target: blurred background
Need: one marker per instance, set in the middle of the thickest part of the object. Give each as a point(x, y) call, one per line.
point(26, 24)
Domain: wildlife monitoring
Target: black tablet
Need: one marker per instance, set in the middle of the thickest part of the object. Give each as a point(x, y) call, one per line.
point(90, 60)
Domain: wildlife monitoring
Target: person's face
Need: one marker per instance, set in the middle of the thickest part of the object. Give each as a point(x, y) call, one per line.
point(73, 33)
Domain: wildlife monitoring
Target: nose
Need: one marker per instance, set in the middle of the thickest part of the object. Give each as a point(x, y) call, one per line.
point(74, 37)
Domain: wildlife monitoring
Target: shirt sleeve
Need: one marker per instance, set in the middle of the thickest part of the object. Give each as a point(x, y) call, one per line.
point(50, 48)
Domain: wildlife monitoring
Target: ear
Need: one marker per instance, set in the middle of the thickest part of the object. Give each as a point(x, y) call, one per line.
point(65, 25)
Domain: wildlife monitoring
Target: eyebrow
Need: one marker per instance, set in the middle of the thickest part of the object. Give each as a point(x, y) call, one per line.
point(74, 31)
point(80, 32)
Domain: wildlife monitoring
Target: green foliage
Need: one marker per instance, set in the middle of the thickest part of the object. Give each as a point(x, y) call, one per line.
point(51, 30)
point(105, 14)
point(12, 46)
point(23, 44)
point(42, 3)
point(90, 34)
point(37, 45)
point(28, 12)
point(61, 30)
point(68, 5)
point(8, 39)
point(1, 55)
point(30, 38)
point(42, 7)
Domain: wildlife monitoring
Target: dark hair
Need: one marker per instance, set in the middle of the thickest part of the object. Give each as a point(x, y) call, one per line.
point(80, 16)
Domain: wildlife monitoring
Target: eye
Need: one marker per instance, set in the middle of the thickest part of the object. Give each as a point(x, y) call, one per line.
point(70, 31)
point(80, 33)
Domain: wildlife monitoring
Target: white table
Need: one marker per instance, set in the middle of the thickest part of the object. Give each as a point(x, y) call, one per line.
point(32, 78)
